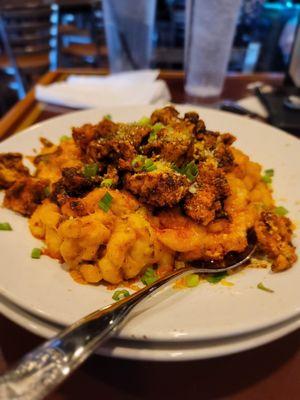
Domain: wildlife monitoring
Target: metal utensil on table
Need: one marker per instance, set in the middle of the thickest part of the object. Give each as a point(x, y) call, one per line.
point(43, 369)
point(234, 107)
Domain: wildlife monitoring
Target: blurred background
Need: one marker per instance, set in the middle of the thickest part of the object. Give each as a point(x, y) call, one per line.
point(72, 33)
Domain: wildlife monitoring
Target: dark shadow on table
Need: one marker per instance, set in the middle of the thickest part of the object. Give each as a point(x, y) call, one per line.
point(220, 378)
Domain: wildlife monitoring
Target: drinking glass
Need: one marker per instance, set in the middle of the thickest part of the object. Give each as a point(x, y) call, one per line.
point(210, 27)
point(129, 28)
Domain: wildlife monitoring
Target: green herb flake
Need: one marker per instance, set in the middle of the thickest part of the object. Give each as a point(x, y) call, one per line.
point(47, 191)
point(120, 294)
point(65, 138)
point(36, 253)
point(281, 211)
point(190, 170)
point(157, 127)
point(90, 170)
point(144, 121)
point(261, 286)
point(192, 280)
point(152, 137)
point(268, 175)
point(108, 117)
point(149, 276)
point(216, 278)
point(5, 226)
point(142, 163)
point(105, 202)
point(107, 183)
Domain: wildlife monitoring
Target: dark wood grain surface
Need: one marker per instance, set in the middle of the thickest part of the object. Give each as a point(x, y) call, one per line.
point(270, 372)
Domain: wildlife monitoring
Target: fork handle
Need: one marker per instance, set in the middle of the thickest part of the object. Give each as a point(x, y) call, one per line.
point(43, 369)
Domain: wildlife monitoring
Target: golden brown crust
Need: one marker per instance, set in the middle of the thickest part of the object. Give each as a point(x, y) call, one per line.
point(211, 188)
point(158, 189)
point(25, 195)
point(11, 169)
point(274, 234)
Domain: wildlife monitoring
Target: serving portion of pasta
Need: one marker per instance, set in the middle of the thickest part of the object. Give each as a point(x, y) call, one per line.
point(116, 198)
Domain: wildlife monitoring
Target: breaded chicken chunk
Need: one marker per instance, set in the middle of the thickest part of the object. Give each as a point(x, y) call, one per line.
point(274, 234)
point(158, 188)
point(25, 195)
point(211, 189)
point(11, 169)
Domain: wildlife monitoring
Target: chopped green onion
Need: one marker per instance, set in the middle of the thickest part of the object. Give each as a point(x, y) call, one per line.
point(152, 137)
point(105, 202)
point(148, 166)
point(149, 276)
point(138, 160)
point(64, 138)
point(47, 191)
point(281, 211)
point(120, 294)
point(192, 280)
point(107, 116)
point(142, 163)
point(261, 286)
point(157, 127)
point(268, 174)
point(190, 170)
point(5, 226)
point(107, 182)
point(36, 253)
point(144, 121)
point(90, 170)
point(216, 277)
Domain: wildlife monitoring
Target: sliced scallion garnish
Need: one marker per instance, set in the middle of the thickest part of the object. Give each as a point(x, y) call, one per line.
point(107, 182)
point(216, 277)
point(5, 226)
point(90, 170)
point(120, 294)
point(268, 175)
point(281, 211)
point(192, 280)
point(149, 276)
point(105, 202)
point(261, 286)
point(36, 253)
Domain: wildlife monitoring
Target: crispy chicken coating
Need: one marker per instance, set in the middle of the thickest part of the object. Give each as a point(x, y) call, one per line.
point(274, 234)
point(25, 195)
point(211, 190)
point(11, 169)
point(158, 188)
point(73, 184)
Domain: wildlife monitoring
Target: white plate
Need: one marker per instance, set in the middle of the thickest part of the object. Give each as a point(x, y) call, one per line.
point(206, 312)
point(155, 351)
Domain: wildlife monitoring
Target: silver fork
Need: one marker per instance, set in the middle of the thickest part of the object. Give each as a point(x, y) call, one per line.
point(43, 369)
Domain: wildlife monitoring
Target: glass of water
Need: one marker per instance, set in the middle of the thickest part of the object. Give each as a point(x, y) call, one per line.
point(129, 26)
point(210, 27)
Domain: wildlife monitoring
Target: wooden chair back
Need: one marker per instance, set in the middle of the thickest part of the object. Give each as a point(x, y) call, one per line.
point(29, 30)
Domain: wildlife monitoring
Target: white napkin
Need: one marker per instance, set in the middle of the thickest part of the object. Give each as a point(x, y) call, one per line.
point(123, 89)
point(253, 104)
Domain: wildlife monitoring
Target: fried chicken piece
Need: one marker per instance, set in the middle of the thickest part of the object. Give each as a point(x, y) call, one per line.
point(88, 132)
point(274, 235)
point(73, 184)
point(25, 195)
point(158, 188)
point(214, 146)
point(193, 117)
point(11, 169)
point(165, 115)
point(211, 190)
point(172, 142)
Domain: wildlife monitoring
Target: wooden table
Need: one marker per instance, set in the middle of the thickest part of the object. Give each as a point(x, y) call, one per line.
point(270, 372)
